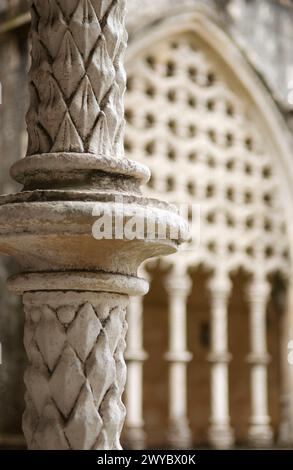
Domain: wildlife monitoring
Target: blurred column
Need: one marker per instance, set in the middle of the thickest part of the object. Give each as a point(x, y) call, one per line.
point(220, 432)
point(135, 357)
point(178, 287)
point(260, 432)
point(285, 427)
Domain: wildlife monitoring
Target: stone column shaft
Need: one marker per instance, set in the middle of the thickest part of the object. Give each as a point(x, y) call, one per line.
point(220, 432)
point(178, 288)
point(76, 373)
point(260, 432)
point(135, 357)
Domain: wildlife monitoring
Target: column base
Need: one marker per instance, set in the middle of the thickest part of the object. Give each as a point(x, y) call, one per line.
point(260, 435)
point(221, 436)
point(135, 438)
point(285, 437)
point(179, 435)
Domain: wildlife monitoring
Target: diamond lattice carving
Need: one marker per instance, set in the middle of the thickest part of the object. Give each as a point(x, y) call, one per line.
point(80, 111)
point(75, 344)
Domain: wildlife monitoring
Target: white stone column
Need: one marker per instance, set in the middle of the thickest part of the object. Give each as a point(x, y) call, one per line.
point(289, 355)
point(260, 433)
point(178, 287)
point(75, 280)
point(220, 432)
point(135, 357)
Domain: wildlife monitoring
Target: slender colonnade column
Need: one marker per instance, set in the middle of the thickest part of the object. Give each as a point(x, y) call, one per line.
point(178, 287)
point(135, 357)
point(75, 277)
point(260, 432)
point(285, 428)
point(220, 432)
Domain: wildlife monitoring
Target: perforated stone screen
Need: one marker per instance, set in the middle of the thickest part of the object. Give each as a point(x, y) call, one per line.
point(200, 135)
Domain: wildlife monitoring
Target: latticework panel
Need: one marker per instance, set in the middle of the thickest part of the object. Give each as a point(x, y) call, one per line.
point(201, 137)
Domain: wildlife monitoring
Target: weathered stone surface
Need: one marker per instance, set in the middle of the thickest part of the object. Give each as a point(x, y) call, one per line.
point(72, 384)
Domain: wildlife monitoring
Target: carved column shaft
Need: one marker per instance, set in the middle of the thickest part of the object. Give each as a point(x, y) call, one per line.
point(220, 432)
point(76, 374)
point(178, 288)
point(260, 432)
point(77, 78)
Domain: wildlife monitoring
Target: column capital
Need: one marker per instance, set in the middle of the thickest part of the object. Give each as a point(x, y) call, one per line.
point(262, 359)
point(258, 291)
point(178, 356)
point(78, 281)
point(178, 284)
point(220, 357)
point(220, 286)
point(138, 355)
point(75, 168)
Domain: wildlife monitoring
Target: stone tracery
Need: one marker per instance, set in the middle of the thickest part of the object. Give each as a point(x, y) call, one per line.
point(226, 169)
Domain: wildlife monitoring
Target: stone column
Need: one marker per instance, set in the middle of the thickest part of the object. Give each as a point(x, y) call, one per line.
point(285, 427)
point(135, 357)
point(76, 272)
point(290, 353)
point(178, 287)
point(260, 432)
point(220, 433)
